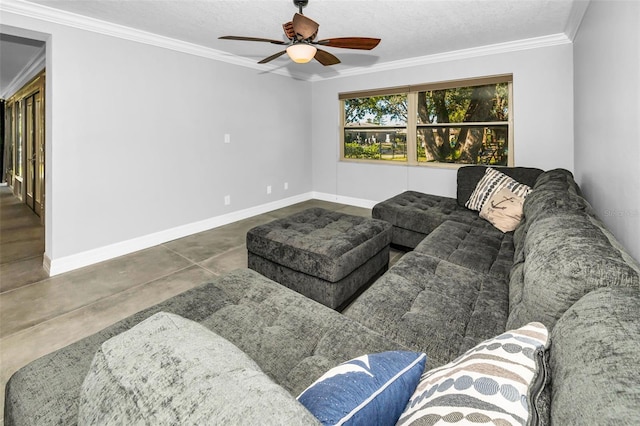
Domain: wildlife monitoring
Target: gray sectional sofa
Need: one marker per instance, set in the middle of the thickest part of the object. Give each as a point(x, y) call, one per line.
point(463, 282)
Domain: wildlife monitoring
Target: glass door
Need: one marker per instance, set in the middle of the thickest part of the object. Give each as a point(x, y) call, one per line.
point(30, 154)
point(34, 156)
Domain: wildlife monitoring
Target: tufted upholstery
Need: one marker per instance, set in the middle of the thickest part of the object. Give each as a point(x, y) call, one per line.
point(482, 249)
point(293, 339)
point(449, 294)
point(414, 215)
point(319, 242)
point(434, 306)
point(325, 255)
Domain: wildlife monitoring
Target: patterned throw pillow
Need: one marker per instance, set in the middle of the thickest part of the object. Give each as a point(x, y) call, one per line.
point(493, 383)
point(492, 182)
point(371, 389)
point(503, 210)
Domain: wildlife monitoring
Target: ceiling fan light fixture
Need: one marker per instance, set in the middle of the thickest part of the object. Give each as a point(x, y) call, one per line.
point(301, 53)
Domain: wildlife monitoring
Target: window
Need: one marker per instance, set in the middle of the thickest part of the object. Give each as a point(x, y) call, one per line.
point(458, 122)
point(375, 128)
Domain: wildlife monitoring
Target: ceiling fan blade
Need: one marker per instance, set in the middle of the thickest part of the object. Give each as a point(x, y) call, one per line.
point(326, 58)
point(289, 32)
point(268, 40)
point(363, 43)
point(272, 57)
point(304, 27)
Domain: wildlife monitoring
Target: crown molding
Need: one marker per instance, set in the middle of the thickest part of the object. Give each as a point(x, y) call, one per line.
point(49, 14)
point(492, 49)
point(578, 9)
point(45, 13)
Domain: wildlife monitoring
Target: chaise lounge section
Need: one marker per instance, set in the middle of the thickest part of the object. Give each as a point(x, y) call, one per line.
point(414, 215)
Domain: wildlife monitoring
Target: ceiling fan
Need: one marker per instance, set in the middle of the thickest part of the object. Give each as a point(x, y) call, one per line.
point(301, 33)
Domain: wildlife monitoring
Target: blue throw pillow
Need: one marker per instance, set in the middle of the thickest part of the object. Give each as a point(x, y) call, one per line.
point(368, 390)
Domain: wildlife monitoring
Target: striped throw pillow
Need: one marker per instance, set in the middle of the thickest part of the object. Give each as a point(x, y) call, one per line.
point(492, 182)
point(494, 383)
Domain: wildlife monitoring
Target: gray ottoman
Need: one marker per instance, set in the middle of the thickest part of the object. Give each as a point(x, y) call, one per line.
point(325, 255)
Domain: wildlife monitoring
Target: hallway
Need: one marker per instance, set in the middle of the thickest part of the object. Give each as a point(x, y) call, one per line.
point(21, 243)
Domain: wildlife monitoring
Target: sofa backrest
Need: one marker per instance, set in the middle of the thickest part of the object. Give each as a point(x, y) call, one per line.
point(469, 176)
point(563, 251)
point(594, 360)
point(554, 191)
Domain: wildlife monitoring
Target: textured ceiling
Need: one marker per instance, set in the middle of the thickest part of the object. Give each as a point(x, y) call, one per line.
point(408, 29)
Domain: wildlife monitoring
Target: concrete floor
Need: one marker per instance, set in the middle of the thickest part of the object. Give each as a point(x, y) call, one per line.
point(39, 314)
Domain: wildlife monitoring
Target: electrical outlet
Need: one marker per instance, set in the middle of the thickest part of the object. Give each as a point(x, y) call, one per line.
point(268, 189)
point(227, 138)
point(286, 186)
point(227, 200)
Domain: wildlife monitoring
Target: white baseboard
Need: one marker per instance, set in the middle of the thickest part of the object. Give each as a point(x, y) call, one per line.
point(90, 257)
point(358, 202)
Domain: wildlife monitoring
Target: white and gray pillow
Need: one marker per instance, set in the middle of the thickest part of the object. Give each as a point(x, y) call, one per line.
point(492, 182)
point(496, 382)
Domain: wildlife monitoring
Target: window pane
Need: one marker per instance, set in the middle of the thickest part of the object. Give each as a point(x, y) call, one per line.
point(464, 145)
point(464, 104)
point(390, 110)
point(376, 144)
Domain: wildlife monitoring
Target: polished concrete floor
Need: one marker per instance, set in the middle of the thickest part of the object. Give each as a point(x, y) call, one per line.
point(39, 314)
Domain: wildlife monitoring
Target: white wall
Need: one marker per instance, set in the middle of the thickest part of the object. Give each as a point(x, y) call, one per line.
point(607, 115)
point(543, 121)
point(135, 140)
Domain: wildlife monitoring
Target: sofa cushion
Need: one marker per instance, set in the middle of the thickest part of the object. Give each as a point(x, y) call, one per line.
point(420, 214)
point(594, 360)
point(496, 382)
point(486, 250)
point(371, 389)
point(492, 182)
point(541, 203)
point(566, 256)
point(554, 191)
point(433, 306)
point(169, 370)
point(294, 340)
